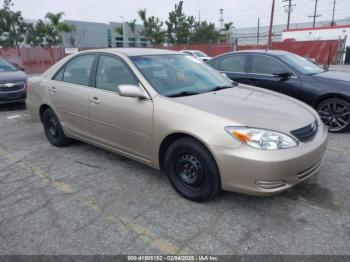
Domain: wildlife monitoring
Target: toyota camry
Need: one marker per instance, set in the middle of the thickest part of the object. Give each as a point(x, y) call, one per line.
point(173, 112)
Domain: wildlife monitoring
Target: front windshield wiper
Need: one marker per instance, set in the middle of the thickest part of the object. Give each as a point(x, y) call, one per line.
point(217, 88)
point(184, 93)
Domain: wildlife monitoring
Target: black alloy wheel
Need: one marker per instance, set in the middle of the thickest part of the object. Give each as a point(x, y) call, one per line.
point(335, 113)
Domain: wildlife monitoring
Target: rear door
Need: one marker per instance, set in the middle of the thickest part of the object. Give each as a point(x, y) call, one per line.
point(234, 66)
point(68, 94)
point(262, 70)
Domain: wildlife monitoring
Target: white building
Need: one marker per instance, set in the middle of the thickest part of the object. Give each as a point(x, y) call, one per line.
point(339, 32)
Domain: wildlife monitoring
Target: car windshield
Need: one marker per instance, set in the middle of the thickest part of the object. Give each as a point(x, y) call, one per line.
point(302, 64)
point(6, 66)
point(199, 54)
point(180, 75)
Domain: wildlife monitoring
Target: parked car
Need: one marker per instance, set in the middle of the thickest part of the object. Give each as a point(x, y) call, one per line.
point(12, 83)
point(327, 91)
point(175, 113)
point(198, 54)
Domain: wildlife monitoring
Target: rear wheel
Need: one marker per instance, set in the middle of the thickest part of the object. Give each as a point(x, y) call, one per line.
point(335, 113)
point(53, 129)
point(192, 170)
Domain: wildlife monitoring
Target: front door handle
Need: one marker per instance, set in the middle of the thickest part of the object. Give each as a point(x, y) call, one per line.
point(95, 100)
point(53, 89)
point(252, 82)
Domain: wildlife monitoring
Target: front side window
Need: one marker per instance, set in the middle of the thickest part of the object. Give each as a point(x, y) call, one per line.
point(266, 65)
point(233, 63)
point(302, 64)
point(171, 75)
point(111, 73)
point(78, 70)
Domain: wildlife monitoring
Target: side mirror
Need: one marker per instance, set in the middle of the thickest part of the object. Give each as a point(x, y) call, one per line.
point(282, 75)
point(131, 91)
point(225, 75)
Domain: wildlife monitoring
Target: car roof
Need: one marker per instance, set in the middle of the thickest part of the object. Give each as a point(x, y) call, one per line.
point(260, 51)
point(135, 51)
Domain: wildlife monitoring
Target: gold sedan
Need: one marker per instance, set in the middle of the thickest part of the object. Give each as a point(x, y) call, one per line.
point(173, 112)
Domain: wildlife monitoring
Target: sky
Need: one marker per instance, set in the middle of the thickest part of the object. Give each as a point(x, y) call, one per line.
point(243, 13)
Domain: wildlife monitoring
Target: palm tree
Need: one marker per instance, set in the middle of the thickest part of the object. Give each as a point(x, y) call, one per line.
point(227, 30)
point(58, 26)
point(132, 26)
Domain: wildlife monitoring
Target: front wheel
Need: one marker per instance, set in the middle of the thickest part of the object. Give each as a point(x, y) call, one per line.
point(192, 170)
point(335, 113)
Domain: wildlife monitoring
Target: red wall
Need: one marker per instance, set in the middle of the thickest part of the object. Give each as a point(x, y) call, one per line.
point(37, 60)
point(319, 50)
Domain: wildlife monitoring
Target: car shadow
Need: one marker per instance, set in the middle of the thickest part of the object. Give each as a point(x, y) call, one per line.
point(12, 107)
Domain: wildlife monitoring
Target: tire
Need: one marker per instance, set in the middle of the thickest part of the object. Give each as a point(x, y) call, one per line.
point(335, 113)
point(192, 170)
point(53, 129)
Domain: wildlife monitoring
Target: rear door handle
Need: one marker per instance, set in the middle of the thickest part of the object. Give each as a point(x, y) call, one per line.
point(95, 100)
point(53, 89)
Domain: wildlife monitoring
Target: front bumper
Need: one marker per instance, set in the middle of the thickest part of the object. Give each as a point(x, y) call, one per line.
point(267, 172)
point(12, 97)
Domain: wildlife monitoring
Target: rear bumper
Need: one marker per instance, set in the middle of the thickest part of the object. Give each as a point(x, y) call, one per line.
point(262, 173)
point(12, 97)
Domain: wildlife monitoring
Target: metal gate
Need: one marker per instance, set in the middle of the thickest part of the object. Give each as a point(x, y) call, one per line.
point(347, 56)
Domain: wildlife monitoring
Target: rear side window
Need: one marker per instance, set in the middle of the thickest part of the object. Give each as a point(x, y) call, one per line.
point(233, 63)
point(78, 70)
point(111, 73)
point(266, 65)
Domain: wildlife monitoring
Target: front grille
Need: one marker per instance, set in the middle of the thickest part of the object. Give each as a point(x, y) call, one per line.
point(11, 87)
point(305, 133)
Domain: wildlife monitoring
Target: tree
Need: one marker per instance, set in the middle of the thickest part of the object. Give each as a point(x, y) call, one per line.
point(119, 30)
point(178, 28)
point(42, 34)
point(132, 26)
point(59, 27)
point(153, 28)
point(226, 31)
point(12, 26)
point(205, 32)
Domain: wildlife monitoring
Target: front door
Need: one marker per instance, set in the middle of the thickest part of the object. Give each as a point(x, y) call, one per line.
point(262, 74)
point(123, 123)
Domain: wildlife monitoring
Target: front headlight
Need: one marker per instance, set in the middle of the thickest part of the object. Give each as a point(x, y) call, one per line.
point(262, 138)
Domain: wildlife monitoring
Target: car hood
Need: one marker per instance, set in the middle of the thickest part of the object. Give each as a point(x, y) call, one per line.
point(253, 107)
point(10, 77)
point(333, 75)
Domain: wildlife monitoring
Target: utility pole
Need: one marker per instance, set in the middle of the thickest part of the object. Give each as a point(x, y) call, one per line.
point(258, 33)
point(333, 22)
point(315, 14)
point(221, 20)
point(199, 16)
point(269, 44)
point(289, 8)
